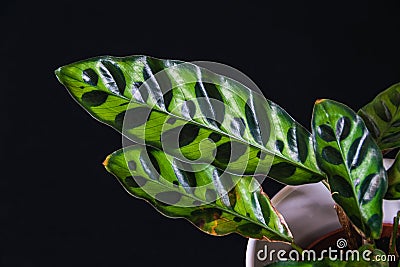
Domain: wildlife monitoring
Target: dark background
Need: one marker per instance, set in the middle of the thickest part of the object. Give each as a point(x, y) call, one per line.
point(59, 207)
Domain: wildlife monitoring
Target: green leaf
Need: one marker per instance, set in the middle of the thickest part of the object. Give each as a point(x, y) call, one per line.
point(353, 163)
point(217, 203)
point(202, 118)
point(393, 173)
point(382, 117)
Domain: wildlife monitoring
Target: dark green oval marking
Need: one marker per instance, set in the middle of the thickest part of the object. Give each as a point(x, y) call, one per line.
point(167, 99)
point(171, 120)
point(197, 203)
point(252, 122)
point(188, 109)
point(297, 139)
point(282, 170)
point(150, 165)
point(339, 184)
point(211, 195)
point(382, 110)
point(169, 197)
point(213, 110)
point(119, 120)
point(136, 182)
point(230, 152)
point(94, 98)
point(136, 117)
point(357, 152)
point(332, 155)
point(89, 76)
point(249, 229)
point(113, 77)
point(237, 219)
point(343, 127)
point(261, 155)
point(394, 97)
point(188, 134)
point(132, 165)
point(279, 145)
point(369, 188)
point(238, 126)
point(326, 133)
point(215, 137)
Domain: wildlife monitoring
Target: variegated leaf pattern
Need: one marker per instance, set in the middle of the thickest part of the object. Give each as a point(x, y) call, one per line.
point(393, 173)
point(180, 190)
point(207, 132)
point(348, 154)
point(382, 117)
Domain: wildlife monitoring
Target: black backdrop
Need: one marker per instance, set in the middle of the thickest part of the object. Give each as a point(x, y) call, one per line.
point(58, 206)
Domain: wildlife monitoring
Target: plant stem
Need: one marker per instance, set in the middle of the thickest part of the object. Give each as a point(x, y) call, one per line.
point(392, 244)
point(346, 224)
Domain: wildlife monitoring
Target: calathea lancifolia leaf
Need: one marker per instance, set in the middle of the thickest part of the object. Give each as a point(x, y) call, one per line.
point(348, 154)
point(213, 119)
point(393, 173)
point(217, 203)
point(382, 117)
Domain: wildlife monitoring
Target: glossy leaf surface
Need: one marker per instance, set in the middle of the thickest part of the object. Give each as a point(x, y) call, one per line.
point(393, 173)
point(177, 192)
point(213, 119)
point(382, 117)
point(348, 154)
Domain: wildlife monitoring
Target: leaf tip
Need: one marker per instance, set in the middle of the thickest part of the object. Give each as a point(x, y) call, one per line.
point(318, 101)
point(105, 162)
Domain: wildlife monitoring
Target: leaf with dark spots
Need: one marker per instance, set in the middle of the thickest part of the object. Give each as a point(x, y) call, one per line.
point(391, 138)
point(382, 111)
point(326, 133)
point(89, 76)
point(113, 77)
point(353, 188)
point(394, 97)
point(220, 107)
point(332, 155)
point(94, 98)
point(202, 207)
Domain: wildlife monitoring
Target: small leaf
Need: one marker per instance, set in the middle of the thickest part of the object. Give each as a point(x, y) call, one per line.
point(393, 173)
point(382, 117)
point(217, 203)
point(354, 165)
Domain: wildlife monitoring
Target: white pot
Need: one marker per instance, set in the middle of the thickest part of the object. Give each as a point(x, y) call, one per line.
point(309, 212)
